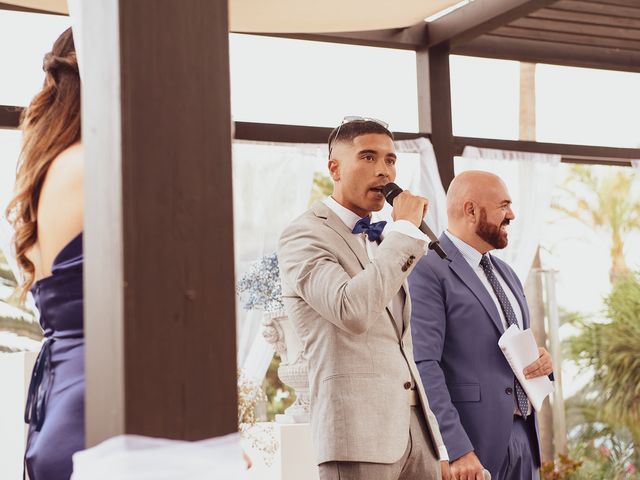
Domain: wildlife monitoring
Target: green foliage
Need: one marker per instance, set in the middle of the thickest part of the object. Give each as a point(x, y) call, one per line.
point(279, 395)
point(322, 187)
point(612, 350)
point(612, 462)
point(24, 326)
point(605, 202)
point(604, 417)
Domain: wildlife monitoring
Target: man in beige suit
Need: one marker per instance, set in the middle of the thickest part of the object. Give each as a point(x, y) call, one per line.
point(344, 289)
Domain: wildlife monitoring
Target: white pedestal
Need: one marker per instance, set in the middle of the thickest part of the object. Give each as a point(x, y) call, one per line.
point(15, 373)
point(295, 458)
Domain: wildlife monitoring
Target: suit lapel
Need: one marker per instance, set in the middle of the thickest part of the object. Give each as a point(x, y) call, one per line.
point(334, 222)
point(517, 292)
point(464, 271)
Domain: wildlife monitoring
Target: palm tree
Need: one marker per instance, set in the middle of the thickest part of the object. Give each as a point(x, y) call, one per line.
point(606, 203)
point(608, 409)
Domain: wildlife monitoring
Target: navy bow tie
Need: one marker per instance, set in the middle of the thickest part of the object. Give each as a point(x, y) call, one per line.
point(373, 230)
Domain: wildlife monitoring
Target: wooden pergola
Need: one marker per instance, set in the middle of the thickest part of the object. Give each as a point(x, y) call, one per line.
point(159, 282)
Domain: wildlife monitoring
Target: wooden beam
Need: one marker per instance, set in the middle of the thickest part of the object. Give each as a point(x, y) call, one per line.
point(441, 120)
point(629, 10)
point(578, 28)
point(535, 51)
point(587, 18)
point(10, 116)
point(159, 278)
point(618, 3)
point(410, 38)
point(587, 154)
point(479, 17)
point(557, 37)
point(273, 132)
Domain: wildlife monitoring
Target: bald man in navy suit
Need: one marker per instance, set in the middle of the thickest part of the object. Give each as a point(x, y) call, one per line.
point(461, 307)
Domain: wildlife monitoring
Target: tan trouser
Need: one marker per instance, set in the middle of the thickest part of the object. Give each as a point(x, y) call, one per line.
point(419, 461)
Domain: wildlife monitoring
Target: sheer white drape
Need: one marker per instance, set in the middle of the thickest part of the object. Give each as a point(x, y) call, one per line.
point(636, 164)
point(417, 171)
point(271, 186)
point(10, 151)
point(530, 178)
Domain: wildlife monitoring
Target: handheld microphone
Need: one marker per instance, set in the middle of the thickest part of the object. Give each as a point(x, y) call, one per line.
point(391, 191)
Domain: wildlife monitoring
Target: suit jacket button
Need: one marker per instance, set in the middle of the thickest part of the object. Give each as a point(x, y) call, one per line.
point(405, 267)
point(407, 385)
point(509, 391)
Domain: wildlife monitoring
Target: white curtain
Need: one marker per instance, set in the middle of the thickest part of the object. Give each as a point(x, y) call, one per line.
point(10, 143)
point(530, 178)
point(636, 164)
point(271, 186)
point(417, 171)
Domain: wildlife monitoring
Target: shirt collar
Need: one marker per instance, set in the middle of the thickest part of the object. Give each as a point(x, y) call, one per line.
point(470, 254)
point(347, 216)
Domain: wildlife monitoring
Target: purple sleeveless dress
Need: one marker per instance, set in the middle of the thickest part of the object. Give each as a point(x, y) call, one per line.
point(55, 404)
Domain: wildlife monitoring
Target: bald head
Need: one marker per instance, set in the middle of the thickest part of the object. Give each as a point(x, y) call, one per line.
point(479, 209)
point(472, 186)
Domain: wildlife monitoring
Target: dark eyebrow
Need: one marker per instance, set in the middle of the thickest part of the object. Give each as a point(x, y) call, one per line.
point(375, 152)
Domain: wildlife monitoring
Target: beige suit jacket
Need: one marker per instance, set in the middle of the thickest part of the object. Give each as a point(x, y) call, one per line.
point(359, 364)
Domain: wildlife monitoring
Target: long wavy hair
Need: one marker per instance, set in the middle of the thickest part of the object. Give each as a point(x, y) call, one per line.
point(50, 125)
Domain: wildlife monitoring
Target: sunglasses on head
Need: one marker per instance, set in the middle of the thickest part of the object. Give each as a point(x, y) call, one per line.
point(355, 118)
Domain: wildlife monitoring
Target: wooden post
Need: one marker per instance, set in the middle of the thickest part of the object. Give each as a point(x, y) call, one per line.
point(159, 275)
point(433, 73)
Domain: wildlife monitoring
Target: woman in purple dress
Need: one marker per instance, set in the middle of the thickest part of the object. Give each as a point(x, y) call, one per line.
point(47, 215)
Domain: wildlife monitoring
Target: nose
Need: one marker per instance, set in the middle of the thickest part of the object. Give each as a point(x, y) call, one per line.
point(510, 214)
point(383, 169)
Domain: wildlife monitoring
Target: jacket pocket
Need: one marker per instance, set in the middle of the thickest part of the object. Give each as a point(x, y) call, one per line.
point(464, 392)
point(350, 375)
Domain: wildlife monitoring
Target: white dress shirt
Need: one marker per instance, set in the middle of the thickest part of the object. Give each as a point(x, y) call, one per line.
point(473, 257)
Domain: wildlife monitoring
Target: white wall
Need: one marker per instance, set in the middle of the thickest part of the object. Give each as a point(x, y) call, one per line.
point(15, 373)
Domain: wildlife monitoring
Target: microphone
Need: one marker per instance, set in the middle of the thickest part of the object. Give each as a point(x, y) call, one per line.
point(391, 191)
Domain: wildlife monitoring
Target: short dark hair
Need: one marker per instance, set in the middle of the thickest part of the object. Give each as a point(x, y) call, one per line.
point(347, 132)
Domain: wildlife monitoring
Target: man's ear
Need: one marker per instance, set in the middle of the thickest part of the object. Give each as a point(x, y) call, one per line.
point(334, 169)
point(470, 210)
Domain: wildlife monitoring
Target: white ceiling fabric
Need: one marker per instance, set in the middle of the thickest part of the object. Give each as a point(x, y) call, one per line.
point(306, 16)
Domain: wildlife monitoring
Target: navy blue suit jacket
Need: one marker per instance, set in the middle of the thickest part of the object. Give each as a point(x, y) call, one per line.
point(456, 327)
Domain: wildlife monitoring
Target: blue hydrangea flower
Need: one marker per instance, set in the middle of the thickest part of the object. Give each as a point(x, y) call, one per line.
point(259, 288)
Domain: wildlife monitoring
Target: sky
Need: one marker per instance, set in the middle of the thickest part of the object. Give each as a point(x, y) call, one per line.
point(278, 80)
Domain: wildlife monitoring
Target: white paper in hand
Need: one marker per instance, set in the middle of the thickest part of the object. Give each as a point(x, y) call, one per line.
point(520, 350)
